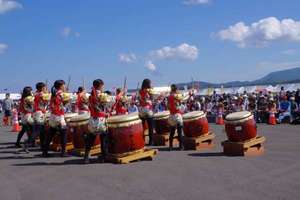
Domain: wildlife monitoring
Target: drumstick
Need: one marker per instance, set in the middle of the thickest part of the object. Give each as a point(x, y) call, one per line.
point(125, 85)
point(68, 84)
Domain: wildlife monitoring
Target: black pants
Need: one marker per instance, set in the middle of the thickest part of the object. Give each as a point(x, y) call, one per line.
point(149, 121)
point(52, 133)
point(179, 128)
point(39, 130)
point(26, 128)
point(89, 140)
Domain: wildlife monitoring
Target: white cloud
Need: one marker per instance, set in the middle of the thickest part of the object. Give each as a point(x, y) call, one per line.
point(183, 51)
point(3, 48)
point(127, 58)
point(68, 32)
point(7, 5)
point(149, 64)
point(262, 32)
point(196, 2)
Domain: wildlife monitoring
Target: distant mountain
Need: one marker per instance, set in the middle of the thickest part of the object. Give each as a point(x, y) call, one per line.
point(273, 78)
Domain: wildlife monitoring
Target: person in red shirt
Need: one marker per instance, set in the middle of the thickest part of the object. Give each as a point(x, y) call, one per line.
point(41, 101)
point(57, 119)
point(82, 102)
point(26, 110)
point(97, 124)
point(175, 119)
point(120, 103)
point(146, 106)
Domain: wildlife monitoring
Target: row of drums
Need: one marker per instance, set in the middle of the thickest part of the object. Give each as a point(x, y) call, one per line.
point(239, 126)
point(126, 132)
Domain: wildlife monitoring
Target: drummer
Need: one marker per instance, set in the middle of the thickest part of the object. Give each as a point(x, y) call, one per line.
point(41, 101)
point(175, 119)
point(26, 110)
point(119, 106)
point(57, 120)
point(97, 123)
point(82, 102)
point(145, 109)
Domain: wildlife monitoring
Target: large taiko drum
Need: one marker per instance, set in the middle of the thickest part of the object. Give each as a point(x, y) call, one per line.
point(240, 126)
point(161, 123)
point(57, 138)
point(195, 124)
point(79, 127)
point(125, 133)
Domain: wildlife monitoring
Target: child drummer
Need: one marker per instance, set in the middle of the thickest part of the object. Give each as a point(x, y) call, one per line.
point(26, 110)
point(175, 119)
point(82, 103)
point(145, 97)
point(97, 124)
point(57, 119)
point(41, 101)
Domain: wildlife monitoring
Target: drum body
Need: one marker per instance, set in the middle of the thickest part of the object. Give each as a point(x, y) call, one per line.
point(79, 127)
point(57, 138)
point(240, 126)
point(125, 133)
point(161, 123)
point(195, 124)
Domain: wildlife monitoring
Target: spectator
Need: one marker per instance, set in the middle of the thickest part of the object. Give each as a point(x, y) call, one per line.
point(294, 109)
point(7, 107)
point(284, 109)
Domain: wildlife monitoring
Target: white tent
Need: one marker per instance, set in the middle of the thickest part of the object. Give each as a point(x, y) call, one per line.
point(14, 96)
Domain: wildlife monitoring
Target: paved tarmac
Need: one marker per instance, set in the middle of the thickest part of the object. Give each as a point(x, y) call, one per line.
point(185, 175)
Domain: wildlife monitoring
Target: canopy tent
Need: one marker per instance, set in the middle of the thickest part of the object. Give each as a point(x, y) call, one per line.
point(14, 96)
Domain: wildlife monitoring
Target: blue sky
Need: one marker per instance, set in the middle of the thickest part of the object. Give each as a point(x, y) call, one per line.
point(164, 40)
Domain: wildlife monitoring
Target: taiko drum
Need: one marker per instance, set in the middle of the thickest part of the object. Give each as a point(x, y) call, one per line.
point(161, 123)
point(195, 124)
point(125, 133)
point(240, 126)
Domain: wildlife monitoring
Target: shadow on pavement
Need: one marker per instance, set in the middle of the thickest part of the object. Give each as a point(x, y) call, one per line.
point(212, 154)
point(7, 143)
point(67, 162)
point(15, 158)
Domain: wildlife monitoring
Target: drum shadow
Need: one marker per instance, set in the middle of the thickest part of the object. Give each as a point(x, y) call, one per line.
point(67, 162)
point(5, 152)
point(8, 147)
point(6, 143)
point(209, 154)
point(15, 158)
point(164, 148)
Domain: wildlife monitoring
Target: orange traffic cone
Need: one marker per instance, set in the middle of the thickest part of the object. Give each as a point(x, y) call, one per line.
point(15, 126)
point(272, 119)
point(220, 120)
point(5, 121)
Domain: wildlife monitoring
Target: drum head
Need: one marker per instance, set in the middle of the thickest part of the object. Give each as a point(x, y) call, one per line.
point(194, 114)
point(123, 118)
point(82, 117)
point(238, 116)
point(70, 115)
point(160, 115)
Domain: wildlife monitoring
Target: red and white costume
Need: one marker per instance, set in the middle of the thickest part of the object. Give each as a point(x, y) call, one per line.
point(146, 105)
point(57, 109)
point(26, 110)
point(174, 105)
point(82, 104)
point(41, 101)
point(97, 123)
